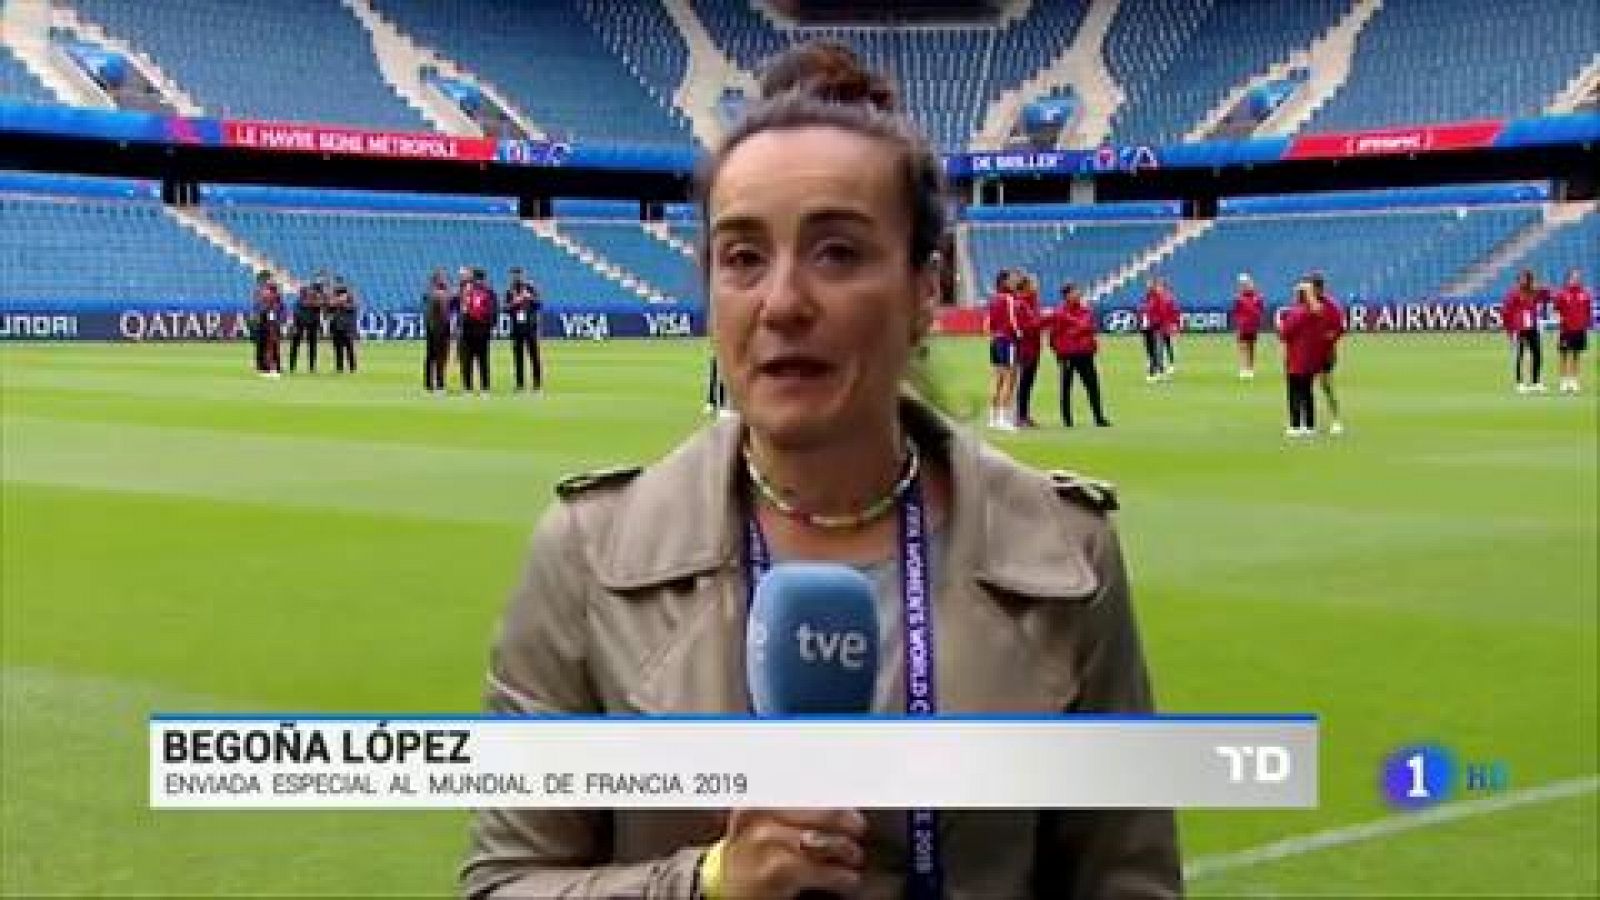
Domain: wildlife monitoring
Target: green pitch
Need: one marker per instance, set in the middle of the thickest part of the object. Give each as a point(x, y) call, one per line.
point(181, 535)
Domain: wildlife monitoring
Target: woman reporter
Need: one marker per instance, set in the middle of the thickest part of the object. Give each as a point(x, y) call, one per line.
point(823, 210)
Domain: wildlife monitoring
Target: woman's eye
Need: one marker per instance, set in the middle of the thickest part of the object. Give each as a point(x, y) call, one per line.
point(837, 253)
point(739, 257)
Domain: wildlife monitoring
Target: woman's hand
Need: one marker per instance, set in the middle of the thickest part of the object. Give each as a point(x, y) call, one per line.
point(784, 853)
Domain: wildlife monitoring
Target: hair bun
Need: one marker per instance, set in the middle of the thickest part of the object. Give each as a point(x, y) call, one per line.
point(828, 71)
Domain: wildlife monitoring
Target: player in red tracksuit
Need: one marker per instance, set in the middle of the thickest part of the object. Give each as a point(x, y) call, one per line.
point(1171, 324)
point(1332, 332)
point(1519, 313)
point(267, 313)
point(1575, 306)
point(1072, 337)
point(1030, 327)
point(1001, 320)
point(1248, 310)
point(1152, 326)
point(1304, 335)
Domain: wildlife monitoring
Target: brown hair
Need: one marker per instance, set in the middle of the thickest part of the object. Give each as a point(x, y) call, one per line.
point(824, 83)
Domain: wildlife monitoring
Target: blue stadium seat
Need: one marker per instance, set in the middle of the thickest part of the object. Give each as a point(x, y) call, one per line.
point(554, 66)
point(1366, 256)
point(629, 246)
point(17, 84)
point(387, 257)
point(1177, 59)
point(1424, 61)
point(306, 61)
point(644, 37)
point(1061, 252)
point(109, 252)
point(1574, 246)
point(949, 75)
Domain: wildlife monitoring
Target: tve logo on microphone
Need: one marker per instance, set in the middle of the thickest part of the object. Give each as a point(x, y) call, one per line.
point(811, 644)
point(843, 648)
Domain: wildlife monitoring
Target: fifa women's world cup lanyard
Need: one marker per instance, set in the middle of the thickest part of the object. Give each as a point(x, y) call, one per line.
point(925, 880)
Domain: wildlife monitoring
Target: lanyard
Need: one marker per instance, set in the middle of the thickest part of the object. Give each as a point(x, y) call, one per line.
point(925, 881)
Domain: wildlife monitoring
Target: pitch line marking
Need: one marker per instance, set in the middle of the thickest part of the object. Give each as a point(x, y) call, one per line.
point(1312, 842)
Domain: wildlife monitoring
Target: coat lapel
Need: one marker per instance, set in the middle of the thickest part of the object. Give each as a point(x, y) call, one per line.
point(1011, 568)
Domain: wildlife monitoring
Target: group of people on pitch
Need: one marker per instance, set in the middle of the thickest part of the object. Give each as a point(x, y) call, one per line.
point(469, 311)
point(1018, 326)
point(1521, 315)
point(324, 304)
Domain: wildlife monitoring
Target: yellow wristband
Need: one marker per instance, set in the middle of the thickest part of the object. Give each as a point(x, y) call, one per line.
point(711, 872)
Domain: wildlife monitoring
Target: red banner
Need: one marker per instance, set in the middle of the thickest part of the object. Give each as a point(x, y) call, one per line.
point(336, 141)
point(1392, 141)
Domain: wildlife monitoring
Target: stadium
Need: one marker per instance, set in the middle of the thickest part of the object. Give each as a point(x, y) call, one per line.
point(179, 534)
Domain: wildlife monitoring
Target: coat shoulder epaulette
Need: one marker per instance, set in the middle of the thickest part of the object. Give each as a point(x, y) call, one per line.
point(1093, 493)
point(573, 485)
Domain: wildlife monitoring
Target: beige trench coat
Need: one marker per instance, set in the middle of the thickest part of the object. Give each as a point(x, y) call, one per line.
point(634, 601)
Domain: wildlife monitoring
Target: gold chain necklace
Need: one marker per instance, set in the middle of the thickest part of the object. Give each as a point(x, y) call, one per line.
point(868, 514)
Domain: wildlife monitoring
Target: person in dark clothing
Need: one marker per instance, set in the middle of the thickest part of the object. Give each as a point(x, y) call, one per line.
point(478, 313)
point(266, 317)
point(436, 311)
point(342, 325)
point(522, 302)
point(1072, 336)
point(307, 324)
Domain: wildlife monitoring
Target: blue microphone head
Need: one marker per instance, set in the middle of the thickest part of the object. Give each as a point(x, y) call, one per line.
point(812, 642)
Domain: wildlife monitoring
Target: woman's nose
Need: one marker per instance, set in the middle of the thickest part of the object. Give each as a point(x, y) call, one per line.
point(788, 302)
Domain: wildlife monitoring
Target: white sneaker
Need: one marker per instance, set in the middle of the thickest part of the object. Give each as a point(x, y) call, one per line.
point(726, 413)
point(1151, 379)
point(1538, 387)
point(1246, 374)
point(1336, 429)
point(1522, 388)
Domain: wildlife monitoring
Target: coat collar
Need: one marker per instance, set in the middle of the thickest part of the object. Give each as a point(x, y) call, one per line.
point(682, 517)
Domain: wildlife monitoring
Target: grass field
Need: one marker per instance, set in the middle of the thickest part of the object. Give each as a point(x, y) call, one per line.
point(180, 535)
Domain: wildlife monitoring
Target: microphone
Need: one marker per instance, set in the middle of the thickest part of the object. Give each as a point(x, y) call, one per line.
point(811, 647)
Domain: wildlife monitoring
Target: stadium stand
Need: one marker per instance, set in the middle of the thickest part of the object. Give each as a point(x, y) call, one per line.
point(628, 245)
point(80, 243)
point(386, 256)
point(17, 84)
point(555, 67)
point(1367, 255)
point(1574, 246)
point(949, 100)
point(643, 36)
point(1425, 61)
point(1060, 252)
point(1177, 59)
point(307, 61)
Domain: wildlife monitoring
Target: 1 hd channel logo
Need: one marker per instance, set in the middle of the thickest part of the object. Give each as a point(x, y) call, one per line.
point(1418, 776)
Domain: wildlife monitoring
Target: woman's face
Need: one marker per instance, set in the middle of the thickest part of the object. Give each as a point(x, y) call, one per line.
point(815, 304)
